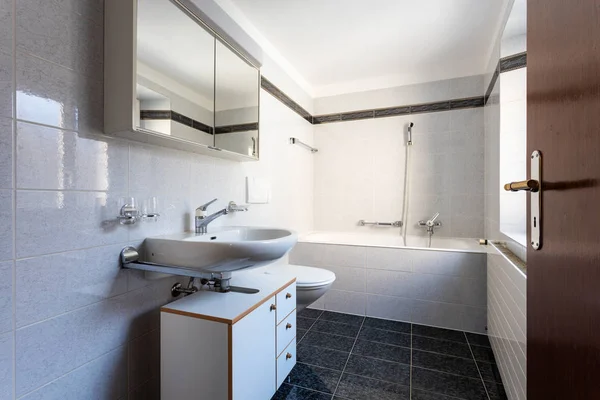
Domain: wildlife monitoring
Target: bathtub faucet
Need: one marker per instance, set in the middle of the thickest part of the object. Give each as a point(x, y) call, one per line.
point(431, 224)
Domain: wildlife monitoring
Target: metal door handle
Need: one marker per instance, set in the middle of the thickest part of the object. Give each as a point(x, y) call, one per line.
point(534, 186)
point(288, 296)
point(288, 326)
point(530, 185)
point(273, 307)
point(288, 356)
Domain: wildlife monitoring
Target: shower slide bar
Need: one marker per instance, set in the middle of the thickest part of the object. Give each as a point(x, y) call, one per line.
point(395, 224)
point(294, 140)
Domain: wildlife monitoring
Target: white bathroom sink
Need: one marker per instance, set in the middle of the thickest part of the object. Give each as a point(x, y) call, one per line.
point(224, 249)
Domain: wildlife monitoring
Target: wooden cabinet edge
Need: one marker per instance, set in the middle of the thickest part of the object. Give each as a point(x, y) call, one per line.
point(234, 320)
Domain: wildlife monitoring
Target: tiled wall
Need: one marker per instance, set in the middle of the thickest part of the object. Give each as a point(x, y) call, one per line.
point(506, 284)
point(507, 324)
point(73, 325)
point(361, 164)
point(439, 288)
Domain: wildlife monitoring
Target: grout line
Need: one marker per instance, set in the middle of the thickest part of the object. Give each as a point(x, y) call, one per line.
point(349, 355)
point(307, 388)
point(477, 366)
point(71, 371)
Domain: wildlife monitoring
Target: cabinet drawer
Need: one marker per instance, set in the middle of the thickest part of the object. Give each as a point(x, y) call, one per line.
point(286, 331)
point(286, 302)
point(285, 362)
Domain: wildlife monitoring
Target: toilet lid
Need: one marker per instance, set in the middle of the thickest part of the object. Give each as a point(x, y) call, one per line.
point(305, 276)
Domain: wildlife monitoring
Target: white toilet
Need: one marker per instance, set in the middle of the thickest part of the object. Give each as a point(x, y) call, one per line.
point(311, 282)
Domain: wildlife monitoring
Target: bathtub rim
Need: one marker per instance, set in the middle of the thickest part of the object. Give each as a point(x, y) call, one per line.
point(484, 249)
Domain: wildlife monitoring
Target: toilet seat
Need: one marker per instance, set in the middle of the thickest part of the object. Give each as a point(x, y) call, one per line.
point(306, 277)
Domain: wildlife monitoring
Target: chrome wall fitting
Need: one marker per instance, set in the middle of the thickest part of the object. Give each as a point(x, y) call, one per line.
point(129, 213)
point(178, 288)
point(395, 224)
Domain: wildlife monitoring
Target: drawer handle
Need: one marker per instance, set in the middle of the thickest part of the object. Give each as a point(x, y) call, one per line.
point(273, 307)
point(288, 326)
point(288, 356)
point(288, 296)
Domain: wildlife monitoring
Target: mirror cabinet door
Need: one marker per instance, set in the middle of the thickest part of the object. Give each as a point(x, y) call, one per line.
point(175, 73)
point(236, 103)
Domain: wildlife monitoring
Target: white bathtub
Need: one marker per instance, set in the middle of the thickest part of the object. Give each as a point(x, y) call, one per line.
point(378, 276)
point(378, 240)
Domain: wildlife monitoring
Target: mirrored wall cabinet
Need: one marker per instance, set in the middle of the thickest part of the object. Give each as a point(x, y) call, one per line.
point(172, 81)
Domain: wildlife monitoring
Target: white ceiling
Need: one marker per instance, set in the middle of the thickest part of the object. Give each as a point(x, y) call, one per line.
point(341, 46)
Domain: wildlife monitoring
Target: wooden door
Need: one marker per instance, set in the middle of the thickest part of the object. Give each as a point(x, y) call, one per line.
point(563, 280)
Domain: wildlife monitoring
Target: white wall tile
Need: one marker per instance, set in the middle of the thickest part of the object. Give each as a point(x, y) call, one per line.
point(390, 283)
point(6, 150)
point(49, 158)
point(53, 95)
point(6, 72)
point(6, 224)
point(349, 279)
point(50, 222)
point(449, 263)
point(102, 378)
point(345, 302)
point(36, 33)
point(6, 296)
point(6, 25)
point(43, 354)
point(67, 281)
point(388, 258)
point(389, 307)
point(6, 365)
point(437, 314)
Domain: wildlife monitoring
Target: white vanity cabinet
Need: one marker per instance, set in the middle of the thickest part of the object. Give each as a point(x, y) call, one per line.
point(230, 346)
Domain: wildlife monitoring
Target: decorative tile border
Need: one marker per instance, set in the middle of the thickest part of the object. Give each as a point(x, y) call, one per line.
point(253, 126)
point(513, 62)
point(175, 116)
point(285, 99)
point(456, 104)
point(506, 64)
point(471, 102)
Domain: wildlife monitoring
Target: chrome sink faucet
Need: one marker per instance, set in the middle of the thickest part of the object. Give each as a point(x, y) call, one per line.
point(431, 223)
point(202, 220)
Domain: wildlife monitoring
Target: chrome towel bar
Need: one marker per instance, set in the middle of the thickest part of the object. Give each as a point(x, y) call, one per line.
point(294, 140)
point(395, 224)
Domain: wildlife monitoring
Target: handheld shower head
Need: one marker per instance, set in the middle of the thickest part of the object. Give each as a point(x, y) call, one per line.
point(410, 126)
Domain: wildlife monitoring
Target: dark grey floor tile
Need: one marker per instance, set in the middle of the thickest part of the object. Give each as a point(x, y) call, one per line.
point(304, 323)
point(447, 384)
point(361, 388)
point(342, 318)
point(336, 328)
point(444, 363)
point(289, 392)
point(439, 333)
point(422, 395)
point(310, 313)
point(483, 354)
point(441, 346)
point(382, 351)
point(379, 369)
point(315, 378)
point(300, 334)
point(387, 337)
point(395, 326)
point(496, 391)
point(327, 340)
point(478, 340)
point(489, 371)
point(321, 357)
